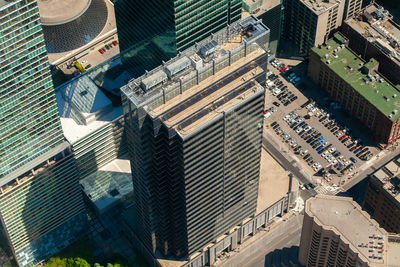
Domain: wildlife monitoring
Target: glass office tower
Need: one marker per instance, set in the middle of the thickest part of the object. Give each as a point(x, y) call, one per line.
point(41, 204)
point(29, 123)
point(155, 30)
point(194, 134)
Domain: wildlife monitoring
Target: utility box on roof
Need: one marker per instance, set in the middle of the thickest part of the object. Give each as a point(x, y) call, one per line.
point(153, 80)
point(177, 66)
point(209, 48)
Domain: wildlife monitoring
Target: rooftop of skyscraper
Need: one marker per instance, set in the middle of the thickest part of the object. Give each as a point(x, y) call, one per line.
point(361, 75)
point(377, 25)
point(257, 7)
point(161, 90)
point(345, 218)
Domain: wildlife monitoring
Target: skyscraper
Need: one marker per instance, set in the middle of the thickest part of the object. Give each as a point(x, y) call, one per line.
point(39, 189)
point(161, 28)
point(29, 123)
point(194, 136)
point(309, 23)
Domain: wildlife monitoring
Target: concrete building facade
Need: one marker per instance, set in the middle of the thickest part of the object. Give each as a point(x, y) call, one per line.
point(193, 124)
point(309, 23)
point(374, 34)
point(357, 86)
point(382, 196)
point(337, 232)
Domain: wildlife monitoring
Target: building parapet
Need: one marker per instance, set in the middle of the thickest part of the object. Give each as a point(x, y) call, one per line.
point(205, 55)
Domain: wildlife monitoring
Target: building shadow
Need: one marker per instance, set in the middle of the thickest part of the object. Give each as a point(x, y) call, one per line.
point(288, 257)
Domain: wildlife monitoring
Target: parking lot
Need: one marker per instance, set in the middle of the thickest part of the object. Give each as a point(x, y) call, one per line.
point(326, 147)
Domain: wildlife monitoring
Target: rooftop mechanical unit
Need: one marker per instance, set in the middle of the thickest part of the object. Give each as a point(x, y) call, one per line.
point(209, 48)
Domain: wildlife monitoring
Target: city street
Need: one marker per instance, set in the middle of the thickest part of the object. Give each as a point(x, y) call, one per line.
point(253, 251)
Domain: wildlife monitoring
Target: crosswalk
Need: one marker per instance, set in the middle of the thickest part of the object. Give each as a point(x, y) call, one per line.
point(328, 190)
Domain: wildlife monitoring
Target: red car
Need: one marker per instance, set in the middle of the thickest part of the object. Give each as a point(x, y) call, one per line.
point(283, 69)
point(115, 43)
point(342, 137)
point(101, 51)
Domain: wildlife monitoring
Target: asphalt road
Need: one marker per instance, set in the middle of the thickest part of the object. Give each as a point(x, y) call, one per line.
point(285, 234)
point(288, 164)
point(376, 164)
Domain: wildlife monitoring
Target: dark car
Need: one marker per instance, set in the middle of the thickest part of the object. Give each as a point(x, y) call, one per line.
point(276, 103)
point(311, 185)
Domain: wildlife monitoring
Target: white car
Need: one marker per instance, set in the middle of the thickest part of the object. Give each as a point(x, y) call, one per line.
point(302, 187)
point(299, 130)
point(332, 150)
point(84, 61)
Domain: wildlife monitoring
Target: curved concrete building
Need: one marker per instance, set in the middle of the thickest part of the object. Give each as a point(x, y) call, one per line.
point(71, 24)
point(57, 12)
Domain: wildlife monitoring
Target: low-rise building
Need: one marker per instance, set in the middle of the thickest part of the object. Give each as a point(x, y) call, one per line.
point(91, 123)
point(374, 34)
point(337, 232)
point(357, 86)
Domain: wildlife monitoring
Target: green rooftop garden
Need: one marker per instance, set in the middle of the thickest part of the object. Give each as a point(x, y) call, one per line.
point(377, 90)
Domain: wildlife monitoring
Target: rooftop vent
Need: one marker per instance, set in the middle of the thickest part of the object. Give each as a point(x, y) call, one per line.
point(394, 95)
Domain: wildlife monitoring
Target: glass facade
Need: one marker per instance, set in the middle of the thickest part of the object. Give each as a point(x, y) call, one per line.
point(149, 36)
point(29, 123)
point(196, 20)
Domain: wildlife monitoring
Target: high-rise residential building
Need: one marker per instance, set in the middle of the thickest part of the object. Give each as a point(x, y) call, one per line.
point(382, 196)
point(194, 133)
point(158, 36)
point(39, 189)
point(374, 34)
point(309, 23)
point(358, 87)
point(337, 232)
